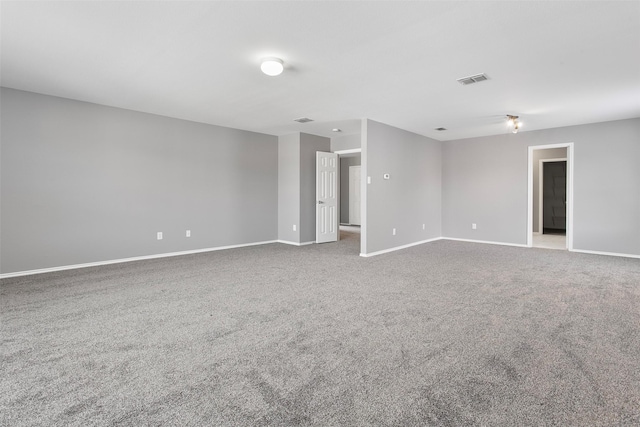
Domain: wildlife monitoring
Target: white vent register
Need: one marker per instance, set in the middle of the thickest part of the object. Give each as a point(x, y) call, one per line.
point(472, 79)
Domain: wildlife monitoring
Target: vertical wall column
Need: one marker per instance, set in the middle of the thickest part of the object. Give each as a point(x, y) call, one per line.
point(297, 186)
point(289, 188)
point(401, 188)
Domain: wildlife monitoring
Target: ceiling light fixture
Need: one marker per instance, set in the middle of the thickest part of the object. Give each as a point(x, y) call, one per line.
point(272, 66)
point(336, 130)
point(513, 123)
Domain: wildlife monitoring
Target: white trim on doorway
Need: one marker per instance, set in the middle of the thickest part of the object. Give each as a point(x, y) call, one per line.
point(363, 183)
point(570, 167)
point(355, 190)
point(350, 151)
point(341, 153)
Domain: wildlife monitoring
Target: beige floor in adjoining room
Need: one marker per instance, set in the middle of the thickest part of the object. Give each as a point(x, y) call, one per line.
point(550, 241)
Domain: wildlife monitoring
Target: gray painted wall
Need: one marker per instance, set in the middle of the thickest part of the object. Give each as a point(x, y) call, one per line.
point(485, 181)
point(549, 153)
point(289, 187)
point(85, 183)
point(411, 197)
point(309, 144)
point(345, 163)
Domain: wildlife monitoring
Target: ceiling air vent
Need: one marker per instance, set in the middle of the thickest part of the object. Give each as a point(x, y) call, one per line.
point(473, 79)
point(441, 129)
point(303, 120)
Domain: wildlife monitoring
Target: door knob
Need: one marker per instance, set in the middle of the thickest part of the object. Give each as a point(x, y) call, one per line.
point(320, 202)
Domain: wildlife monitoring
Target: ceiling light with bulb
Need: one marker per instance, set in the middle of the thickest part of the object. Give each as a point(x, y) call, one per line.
point(514, 123)
point(272, 66)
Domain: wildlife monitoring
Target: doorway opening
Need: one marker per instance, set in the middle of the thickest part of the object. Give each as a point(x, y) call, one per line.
point(553, 196)
point(552, 201)
point(550, 215)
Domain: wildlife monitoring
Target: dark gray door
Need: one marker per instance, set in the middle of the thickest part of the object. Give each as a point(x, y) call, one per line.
point(554, 197)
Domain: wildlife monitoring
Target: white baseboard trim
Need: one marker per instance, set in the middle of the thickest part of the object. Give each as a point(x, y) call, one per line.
point(517, 245)
point(286, 242)
point(605, 253)
point(525, 246)
point(118, 261)
point(397, 248)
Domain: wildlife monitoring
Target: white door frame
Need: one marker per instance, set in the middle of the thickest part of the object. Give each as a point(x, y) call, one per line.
point(363, 180)
point(541, 163)
point(340, 153)
point(570, 168)
point(350, 151)
point(357, 190)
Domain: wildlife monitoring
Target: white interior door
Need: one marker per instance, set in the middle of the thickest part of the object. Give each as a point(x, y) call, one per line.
point(326, 197)
point(354, 195)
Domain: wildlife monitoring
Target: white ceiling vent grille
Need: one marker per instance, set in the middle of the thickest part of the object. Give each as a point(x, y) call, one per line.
point(303, 120)
point(473, 79)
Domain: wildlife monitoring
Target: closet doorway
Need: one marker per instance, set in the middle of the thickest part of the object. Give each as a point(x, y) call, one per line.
point(550, 215)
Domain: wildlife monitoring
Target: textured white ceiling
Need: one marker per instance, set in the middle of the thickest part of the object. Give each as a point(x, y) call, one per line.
point(553, 63)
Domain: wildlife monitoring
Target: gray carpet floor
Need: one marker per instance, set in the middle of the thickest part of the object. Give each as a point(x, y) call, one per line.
point(444, 334)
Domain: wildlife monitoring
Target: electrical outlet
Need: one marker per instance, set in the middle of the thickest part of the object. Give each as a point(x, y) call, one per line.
point(188, 233)
point(473, 226)
point(159, 235)
point(423, 226)
point(294, 227)
point(394, 232)
point(368, 180)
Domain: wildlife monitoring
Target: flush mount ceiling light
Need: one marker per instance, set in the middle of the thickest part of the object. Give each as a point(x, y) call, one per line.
point(513, 123)
point(336, 130)
point(272, 66)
